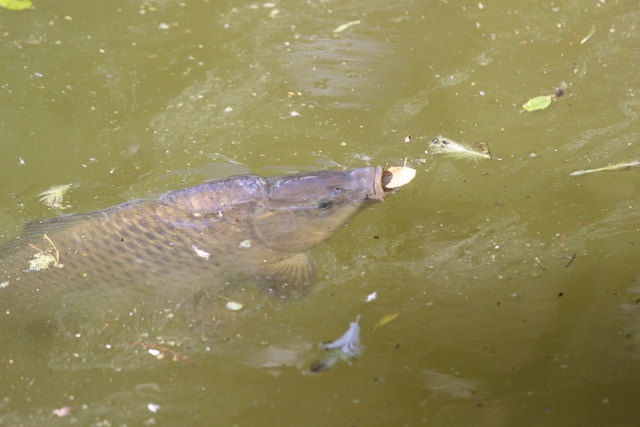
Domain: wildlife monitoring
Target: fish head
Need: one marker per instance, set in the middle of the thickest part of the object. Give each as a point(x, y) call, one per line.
point(302, 210)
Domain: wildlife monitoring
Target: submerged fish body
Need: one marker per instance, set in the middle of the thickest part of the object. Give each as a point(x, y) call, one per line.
point(188, 239)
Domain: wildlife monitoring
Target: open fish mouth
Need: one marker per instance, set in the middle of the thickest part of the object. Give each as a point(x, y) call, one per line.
point(386, 181)
point(370, 181)
point(378, 189)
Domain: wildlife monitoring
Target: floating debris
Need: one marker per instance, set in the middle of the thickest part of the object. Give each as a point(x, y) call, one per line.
point(371, 297)
point(245, 244)
point(153, 407)
point(341, 28)
point(201, 253)
point(62, 412)
point(176, 355)
point(541, 102)
point(560, 90)
point(345, 348)
point(588, 36)
point(443, 145)
point(385, 319)
point(615, 167)
point(16, 4)
point(571, 259)
point(42, 260)
point(349, 342)
point(234, 306)
point(54, 196)
point(397, 176)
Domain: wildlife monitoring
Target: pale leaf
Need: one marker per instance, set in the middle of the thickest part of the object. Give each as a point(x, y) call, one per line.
point(397, 176)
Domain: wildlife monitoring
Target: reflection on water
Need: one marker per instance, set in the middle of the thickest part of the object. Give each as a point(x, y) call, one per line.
point(515, 286)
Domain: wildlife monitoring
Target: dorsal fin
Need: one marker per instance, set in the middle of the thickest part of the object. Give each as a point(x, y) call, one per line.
point(56, 224)
point(35, 231)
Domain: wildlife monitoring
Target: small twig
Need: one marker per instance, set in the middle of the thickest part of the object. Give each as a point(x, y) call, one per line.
point(57, 253)
point(54, 248)
point(38, 249)
point(573, 257)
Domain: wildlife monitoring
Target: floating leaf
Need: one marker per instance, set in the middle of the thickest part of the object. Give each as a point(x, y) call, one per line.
point(449, 146)
point(397, 176)
point(385, 319)
point(15, 4)
point(615, 167)
point(341, 28)
point(588, 36)
point(537, 103)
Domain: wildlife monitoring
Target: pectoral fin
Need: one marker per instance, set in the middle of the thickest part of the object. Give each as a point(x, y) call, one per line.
point(289, 278)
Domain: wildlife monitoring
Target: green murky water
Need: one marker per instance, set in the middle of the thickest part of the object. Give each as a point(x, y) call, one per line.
point(494, 326)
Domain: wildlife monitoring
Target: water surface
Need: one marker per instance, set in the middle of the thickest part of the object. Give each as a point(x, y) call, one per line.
point(515, 286)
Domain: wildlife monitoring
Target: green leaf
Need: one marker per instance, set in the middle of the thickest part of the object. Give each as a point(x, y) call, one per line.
point(537, 103)
point(15, 4)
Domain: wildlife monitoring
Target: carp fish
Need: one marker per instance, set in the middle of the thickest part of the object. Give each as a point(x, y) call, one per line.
point(189, 239)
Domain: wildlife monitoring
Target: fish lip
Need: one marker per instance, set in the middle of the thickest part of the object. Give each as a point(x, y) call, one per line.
point(378, 189)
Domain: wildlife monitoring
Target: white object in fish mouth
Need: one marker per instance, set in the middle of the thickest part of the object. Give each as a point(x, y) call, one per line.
point(397, 176)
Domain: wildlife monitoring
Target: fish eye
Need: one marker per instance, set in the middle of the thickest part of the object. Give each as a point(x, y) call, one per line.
point(325, 205)
point(336, 191)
